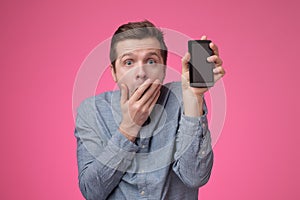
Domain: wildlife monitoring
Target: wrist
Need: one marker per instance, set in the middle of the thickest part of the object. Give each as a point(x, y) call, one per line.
point(128, 136)
point(193, 105)
point(130, 132)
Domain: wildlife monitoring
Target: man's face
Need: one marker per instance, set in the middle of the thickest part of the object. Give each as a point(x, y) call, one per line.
point(137, 60)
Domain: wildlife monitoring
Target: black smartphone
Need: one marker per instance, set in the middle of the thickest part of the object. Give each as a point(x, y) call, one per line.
point(201, 71)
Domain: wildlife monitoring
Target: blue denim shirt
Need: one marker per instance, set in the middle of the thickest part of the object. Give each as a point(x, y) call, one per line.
point(170, 159)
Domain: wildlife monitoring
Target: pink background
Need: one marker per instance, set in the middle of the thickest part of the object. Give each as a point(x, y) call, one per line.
point(44, 43)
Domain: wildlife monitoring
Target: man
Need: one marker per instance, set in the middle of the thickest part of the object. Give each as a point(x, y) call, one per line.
point(144, 141)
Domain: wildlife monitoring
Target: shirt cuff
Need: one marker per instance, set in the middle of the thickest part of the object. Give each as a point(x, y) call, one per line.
point(119, 145)
point(191, 125)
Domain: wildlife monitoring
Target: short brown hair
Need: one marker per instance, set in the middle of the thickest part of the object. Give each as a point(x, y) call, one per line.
point(137, 30)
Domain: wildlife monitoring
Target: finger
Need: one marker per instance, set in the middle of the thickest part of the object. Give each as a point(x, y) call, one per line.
point(124, 93)
point(150, 100)
point(218, 77)
point(219, 70)
point(215, 59)
point(214, 48)
point(140, 91)
point(154, 102)
point(203, 37)
point(185, 62)
point(148, 94)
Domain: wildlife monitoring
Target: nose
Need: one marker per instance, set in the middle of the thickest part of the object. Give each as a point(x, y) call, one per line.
point(141, 73)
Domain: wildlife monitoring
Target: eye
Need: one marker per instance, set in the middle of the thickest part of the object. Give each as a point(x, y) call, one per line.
point(128, 62)
point(151, 61)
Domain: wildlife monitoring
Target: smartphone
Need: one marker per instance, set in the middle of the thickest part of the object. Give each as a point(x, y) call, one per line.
point(201, 71)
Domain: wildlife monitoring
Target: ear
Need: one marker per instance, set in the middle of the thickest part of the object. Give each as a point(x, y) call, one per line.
point(113, 74)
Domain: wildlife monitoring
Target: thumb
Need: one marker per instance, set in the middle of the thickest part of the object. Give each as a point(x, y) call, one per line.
point(203, 37)
point(185, 63)
point(124, 93)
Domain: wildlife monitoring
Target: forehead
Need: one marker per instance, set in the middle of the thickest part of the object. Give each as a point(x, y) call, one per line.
point(131, 45)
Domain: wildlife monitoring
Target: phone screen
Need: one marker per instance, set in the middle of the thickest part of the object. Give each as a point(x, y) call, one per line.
point(201, 71)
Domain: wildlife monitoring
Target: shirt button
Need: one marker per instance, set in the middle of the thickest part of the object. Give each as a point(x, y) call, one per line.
point(203, 125)
point(142, 192)
point(143, 146)
point(142, 171)
point(203, 152)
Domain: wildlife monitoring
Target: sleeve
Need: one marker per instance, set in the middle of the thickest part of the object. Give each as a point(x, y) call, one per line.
point(193, 155)
point(101, 161)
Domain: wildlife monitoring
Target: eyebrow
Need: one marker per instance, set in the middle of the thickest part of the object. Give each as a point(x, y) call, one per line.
point(147, 54)
point(126, 54)
point(153, 53)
